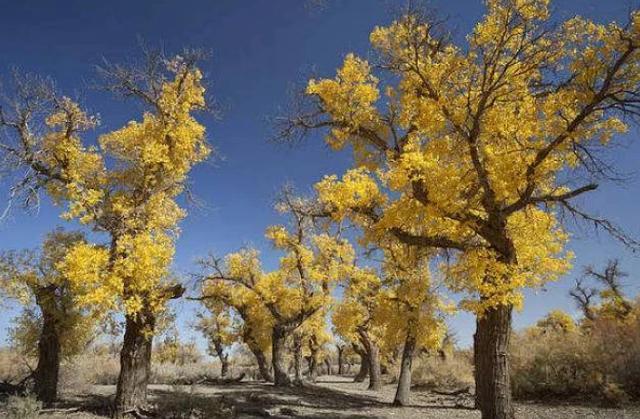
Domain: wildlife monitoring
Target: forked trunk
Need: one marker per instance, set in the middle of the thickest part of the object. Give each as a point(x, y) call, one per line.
point(491, 356)
point(404, 381)
point(280, 376)
point(373, 354)
point(46, 373)
point(135, 364)
point(327, 363)
point(224, 358)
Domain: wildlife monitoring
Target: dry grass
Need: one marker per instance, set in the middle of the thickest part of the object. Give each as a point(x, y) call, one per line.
point(599, 361)
point(450, 374)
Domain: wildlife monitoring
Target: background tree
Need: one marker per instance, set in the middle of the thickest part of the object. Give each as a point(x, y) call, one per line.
point(313, 261)
point(612, 300)
point(126, 187)
point(218, 329)
point(354, 320)
point(410, 309)
point(476, 149)
point(53, 323)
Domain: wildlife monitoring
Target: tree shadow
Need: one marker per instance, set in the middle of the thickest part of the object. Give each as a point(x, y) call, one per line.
point(254, 399)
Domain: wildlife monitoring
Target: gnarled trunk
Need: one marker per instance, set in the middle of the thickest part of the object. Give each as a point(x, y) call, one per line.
point(135, 364)
point(364, 366)
point(404, 381)
point(373, 353)
point(224, 358)
point(263, 366)
point(47, 371)
point(280, 376)
point(491, 356)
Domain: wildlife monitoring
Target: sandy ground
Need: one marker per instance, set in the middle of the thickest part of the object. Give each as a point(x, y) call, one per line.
point(330, 397)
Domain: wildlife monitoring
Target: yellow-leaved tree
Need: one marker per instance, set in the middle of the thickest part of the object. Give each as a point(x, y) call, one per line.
point(312, 263)
point(220, 330)
point(54, 323)
point(476, 148)
point(125, 187)
point(395, 308)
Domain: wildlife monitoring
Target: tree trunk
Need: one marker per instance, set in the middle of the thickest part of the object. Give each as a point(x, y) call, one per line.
point(47, 371)
point(297, 360)
point(224, 358)
point(313, 365)
point(364, 368)
point(327, 362)
point(261, 359)
point(404, 381)
point(491, 356)
point(340, 360)
point(373, 353)
point(280, 376)
point(135, 364)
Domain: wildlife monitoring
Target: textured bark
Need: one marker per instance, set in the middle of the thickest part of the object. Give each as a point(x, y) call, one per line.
point(263, 366)
point(491, 356)
point(280, 376)
point(135, 364)
point(364, 367)
point(297, 361)
point(47, 372)
point(373, 354)
point(404, 381)
point(224, 358)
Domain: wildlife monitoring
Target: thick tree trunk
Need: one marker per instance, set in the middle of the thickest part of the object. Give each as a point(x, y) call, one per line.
point(46, 373)
point(135, 364)
point(373, 353)
point(404, 381)
point(491, 356)
point(363, 373)
point(280, 376)
point(340, 360)
point(263, 367)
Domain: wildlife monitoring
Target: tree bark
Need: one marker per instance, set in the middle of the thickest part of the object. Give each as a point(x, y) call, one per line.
point(340, 360)
point(491, 356)
point(297, 361)
point(263, 367)
point(224, 358)
point(404, 381)
point(48, 368)
point(135, 364)
point(373, 353)
point(364, 367)
point(280, 376)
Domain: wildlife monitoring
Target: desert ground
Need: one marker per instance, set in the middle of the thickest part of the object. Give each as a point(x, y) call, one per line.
point(329, 397)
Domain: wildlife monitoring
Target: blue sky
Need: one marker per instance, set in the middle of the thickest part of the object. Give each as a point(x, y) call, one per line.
point(259, 48)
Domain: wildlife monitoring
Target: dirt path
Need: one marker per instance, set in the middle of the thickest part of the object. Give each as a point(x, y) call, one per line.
point(331, 397)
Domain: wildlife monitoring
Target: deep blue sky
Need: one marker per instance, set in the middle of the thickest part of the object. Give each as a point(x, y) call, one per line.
point(259, 48)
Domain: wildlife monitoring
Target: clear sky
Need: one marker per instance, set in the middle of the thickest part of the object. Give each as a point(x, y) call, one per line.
point(259, 48)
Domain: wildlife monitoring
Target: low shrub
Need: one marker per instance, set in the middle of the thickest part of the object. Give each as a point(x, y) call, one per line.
point(22, 407)
point(449, 374)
